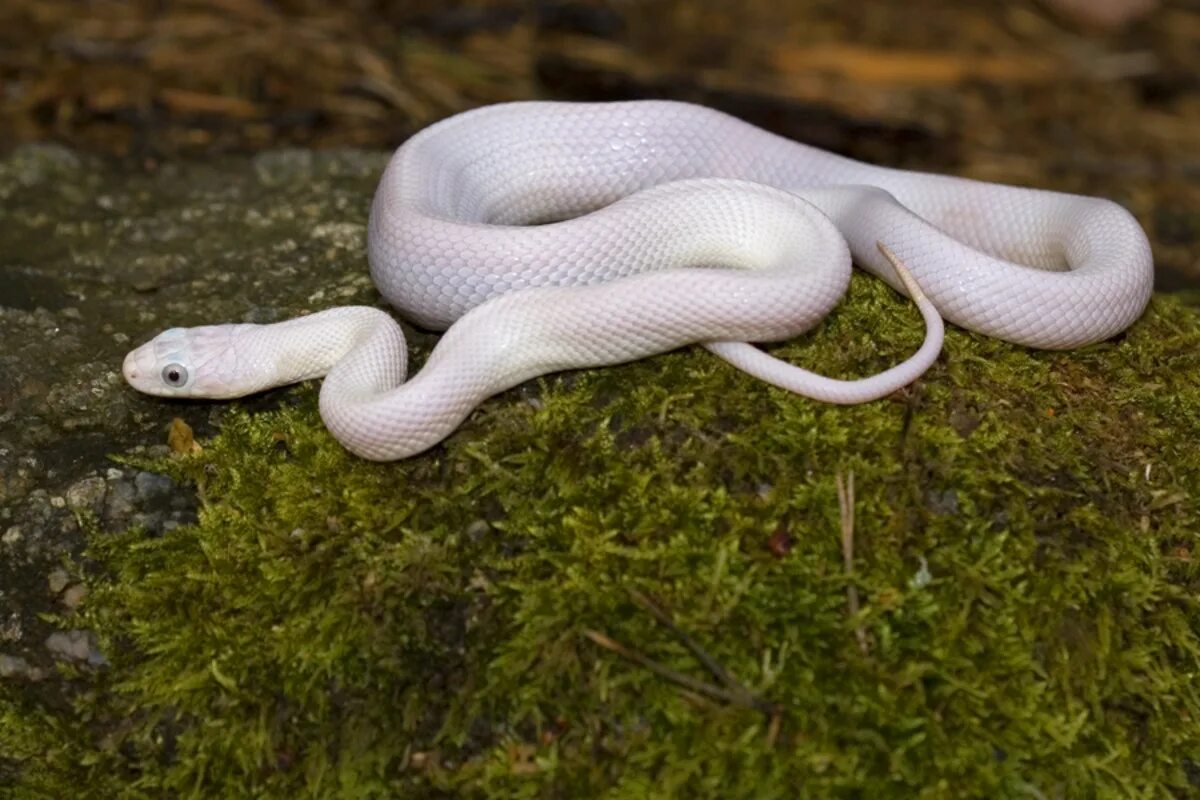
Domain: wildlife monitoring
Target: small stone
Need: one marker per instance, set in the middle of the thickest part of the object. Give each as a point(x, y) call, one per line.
point(75, 645)
point(13, 535)
point(119, 501)
point(13, 666)
point(87, 494)
point(922, 577)
point(74, 596)
point(11, 629)
point(151, 486)
point(58, 580)
point(478, 529)
point(58, 502)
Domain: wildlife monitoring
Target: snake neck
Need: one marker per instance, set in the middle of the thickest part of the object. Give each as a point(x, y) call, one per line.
point(308, 347)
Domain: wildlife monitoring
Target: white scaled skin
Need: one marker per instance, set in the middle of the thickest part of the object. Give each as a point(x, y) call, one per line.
point(680, 225)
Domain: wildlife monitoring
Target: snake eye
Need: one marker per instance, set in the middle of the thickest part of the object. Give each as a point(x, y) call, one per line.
point(174, 375)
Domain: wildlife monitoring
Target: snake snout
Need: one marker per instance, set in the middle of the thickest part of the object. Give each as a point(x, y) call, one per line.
point(139, 370)
point(130, 367)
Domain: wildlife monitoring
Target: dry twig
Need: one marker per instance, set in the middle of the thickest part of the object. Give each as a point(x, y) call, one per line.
point(845, 489)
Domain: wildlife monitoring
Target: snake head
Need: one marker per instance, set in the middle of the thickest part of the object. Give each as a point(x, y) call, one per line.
point(186, 362)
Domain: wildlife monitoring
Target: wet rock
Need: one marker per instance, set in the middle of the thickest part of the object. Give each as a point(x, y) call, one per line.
point(87, 494)
point(150, 486)
point(97, 257)
point(119, 503)
point(27, 289)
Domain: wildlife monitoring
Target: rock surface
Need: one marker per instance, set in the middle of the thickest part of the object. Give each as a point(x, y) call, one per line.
point(97, 257)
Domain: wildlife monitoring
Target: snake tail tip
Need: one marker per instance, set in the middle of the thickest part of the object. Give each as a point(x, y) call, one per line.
point(910, 282)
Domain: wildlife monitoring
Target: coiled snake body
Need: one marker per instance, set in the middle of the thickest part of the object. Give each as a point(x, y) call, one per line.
point(664, 224)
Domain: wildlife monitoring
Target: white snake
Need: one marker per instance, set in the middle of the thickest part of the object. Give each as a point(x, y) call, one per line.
point(678, 224)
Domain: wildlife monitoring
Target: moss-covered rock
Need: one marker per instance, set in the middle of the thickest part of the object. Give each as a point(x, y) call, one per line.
point(1025, 531)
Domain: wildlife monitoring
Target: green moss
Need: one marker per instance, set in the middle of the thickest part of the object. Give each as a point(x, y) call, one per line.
point(1026, 530)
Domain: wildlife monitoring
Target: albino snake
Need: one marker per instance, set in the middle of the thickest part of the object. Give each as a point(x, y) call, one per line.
point(676, 224)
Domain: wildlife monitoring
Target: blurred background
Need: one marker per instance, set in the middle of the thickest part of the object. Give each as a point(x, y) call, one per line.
point(1092, 96)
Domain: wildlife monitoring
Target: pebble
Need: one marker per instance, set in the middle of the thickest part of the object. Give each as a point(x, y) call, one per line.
point(119, 500)
point(58, 580)
point(478, 529)
point(12, 666)
point(11, 629)
point(87, 494)
point(13, 535)
point(76, 645)
point(74, 596)
point(151, 485)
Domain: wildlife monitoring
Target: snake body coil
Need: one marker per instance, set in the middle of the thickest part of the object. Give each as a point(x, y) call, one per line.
point(658, 224)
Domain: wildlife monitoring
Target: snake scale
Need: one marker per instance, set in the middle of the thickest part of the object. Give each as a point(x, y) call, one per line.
point(548, 236)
